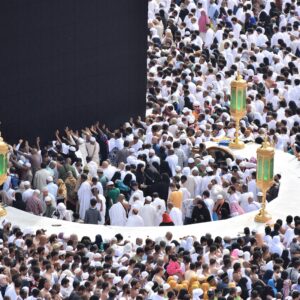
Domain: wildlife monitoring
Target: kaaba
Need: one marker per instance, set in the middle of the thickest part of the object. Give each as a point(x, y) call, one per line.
point(70, 63)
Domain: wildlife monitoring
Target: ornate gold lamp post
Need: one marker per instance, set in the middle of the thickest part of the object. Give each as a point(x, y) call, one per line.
point(238, 108)
point(3, 168)
point(264, 177)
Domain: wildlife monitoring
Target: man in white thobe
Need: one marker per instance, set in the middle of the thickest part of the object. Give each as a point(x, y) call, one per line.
point(160, 207)
point(135, 220)
point(172, 160)
point(84, 196)
point(175, 214)
point(40, 177)
point(52, 187)
point(148, 213)
point(117, 213)
point(28, 191)
point(136, 204)
point(92, 148)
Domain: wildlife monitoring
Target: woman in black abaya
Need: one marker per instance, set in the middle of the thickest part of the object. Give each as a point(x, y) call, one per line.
point(200, 213)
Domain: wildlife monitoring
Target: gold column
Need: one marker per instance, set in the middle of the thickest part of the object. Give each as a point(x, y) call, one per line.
point(3, 168)
point(264, 177)
point(238, 108)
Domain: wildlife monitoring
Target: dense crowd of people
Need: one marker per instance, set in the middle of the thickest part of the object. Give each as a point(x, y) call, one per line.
point(254, 266)
point(157, 171)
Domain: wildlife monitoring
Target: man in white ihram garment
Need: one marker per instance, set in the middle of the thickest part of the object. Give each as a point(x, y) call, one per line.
point(84, 196)
point(136, 204)
point(175, 214)
point(135, 220)
point(148, 213)
point(251, 205)
point(117, 213)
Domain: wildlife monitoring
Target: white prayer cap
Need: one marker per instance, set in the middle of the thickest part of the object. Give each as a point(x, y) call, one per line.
point(191, 160)
point(209, 169)
point(186, 171)
point(148, 198)
point(260, 194)
point(111, 275)
point(85, 276)
point(144, 274)
point(50, 178)
point(149, 286)
point(77, 271)
point(195, 169)
point(28, 164)
point(187, 71)
point(250, 195)
point(69, 248)
point(219, 197)
point(92, 139)
point(203, 127)
point(240, 253)
point(191, 119)
point(61, 252)
point(226, 252)
point(166, 286)
point(197, 293)
point(26, 183)
point(117, 280)
point(250, 72)
point(196, 103)
point(44, 189)
point(242, 164)
point(152, 151)
point(21, 162)
point(72, 148)
point(211, 120)
point(177, 168)
point(243, 123)
point(131, 150)
point(110, 183)
point(211, 160)
point(80, 140)
point(185, 110)
point(228, 161)
point(48, 199)
point(25, 289)
point(5, 222)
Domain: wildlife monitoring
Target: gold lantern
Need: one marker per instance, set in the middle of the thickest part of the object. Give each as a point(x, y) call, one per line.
point(238, 108)
point(264, 177)
point(3, 168)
